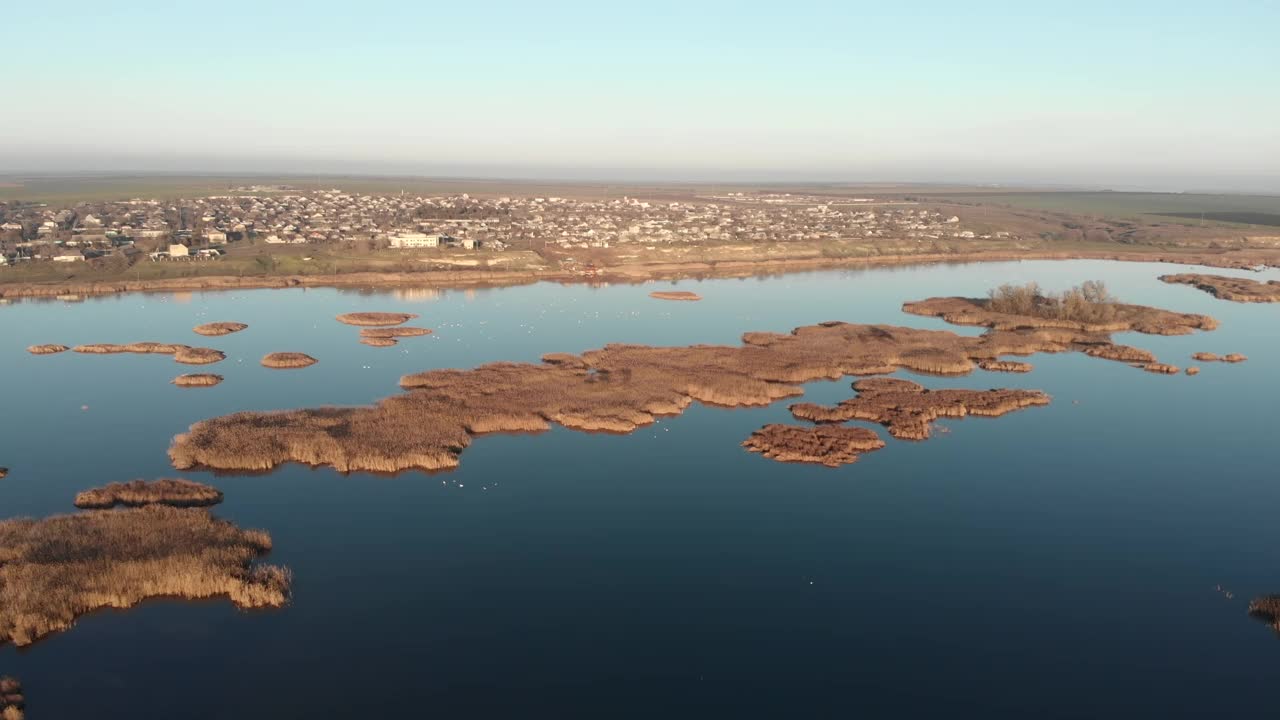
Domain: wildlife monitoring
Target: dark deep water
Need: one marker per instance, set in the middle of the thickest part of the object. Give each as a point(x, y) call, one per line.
point(1058, 562)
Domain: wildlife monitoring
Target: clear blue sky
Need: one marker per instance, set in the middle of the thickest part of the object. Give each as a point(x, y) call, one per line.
point(1080, 92)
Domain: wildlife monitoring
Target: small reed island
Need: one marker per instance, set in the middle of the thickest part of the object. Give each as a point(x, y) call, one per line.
point(1211, 357)
point(175, 492)
point(830, 445)
point(620, 388)
point(214, 329)
point(374, 319)
point(909, 409)
point(47, 349)
point(288, 360)
point(1009, 366)
point(4, 472)
point(1241, 290)
point(389, 336)
point(12, 701)
point(198, 355)
point(197, 380)
point(1266, 609)
point(58, 568)
point(675, 295)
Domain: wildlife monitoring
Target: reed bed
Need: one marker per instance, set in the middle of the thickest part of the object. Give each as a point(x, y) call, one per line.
point(175, 492)
point(1158, 368)
point(619, 388)
point(1242, 290)
point(1266, 608)
point(909, 409)
point(394, 332)
point(197, 380)
point(214, 329)
point(1010, 366)
point(58, 568)
point(1211, 357)
point(12, 701)
point(138, 348)
point(4, 472)
point(829, 445)
point(379, 341)
point(288, 360)
point(375, 318)
point(1193, 370)
point(47, 349)
point(198, 355)
point(681, 295)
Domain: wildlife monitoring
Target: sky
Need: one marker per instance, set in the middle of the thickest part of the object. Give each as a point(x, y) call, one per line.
point(1160, 95)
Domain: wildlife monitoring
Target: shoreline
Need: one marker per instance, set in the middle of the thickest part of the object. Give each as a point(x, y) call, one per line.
point(634, 274)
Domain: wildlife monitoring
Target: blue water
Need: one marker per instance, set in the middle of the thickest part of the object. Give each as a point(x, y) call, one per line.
point(1060, 562)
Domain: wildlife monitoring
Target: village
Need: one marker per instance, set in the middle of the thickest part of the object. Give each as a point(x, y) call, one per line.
point(203, 229)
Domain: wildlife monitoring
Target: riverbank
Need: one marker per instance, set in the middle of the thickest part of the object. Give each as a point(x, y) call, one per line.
point(621, 273)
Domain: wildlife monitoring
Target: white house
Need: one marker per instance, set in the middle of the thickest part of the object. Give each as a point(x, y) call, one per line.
point(179, 251)
point(415, 240)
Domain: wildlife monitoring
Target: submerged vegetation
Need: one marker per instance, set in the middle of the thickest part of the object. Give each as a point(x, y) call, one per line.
point(375, 318)
point(219, 328)
point(620, 388)
point(175, 492)
point(58, 568)
point(830, 445)
point(288, 360)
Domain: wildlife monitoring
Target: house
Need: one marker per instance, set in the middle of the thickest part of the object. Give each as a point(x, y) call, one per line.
point(415, 240)
point(179, 251)
point(68, 256)
point(215, 236)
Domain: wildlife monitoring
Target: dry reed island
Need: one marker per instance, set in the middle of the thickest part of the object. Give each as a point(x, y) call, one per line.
point(675, 295)
point(909, 409)
point(829, 445)
point(374, 319)
point(1241, 290)
point(175, 492)
point(620, 388)
point(181, 353)
point(58, 568)
point(12, 701)
point(288, 360)
point(1266, 609)
point(1212, 357)
point(219, 328)
point(47, 349)
point(197, 380)
point(389, 336)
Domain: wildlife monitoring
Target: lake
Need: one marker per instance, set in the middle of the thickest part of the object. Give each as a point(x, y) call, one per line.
point(1057, 562)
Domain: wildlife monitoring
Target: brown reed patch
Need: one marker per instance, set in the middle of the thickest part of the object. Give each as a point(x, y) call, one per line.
point(47, 349)
point(12, 700)
point(1193, 370)
point(375, 318)
point(394, 332)
point(1266, 608)
point(830, 445)
point(138, 348)
point(175, 492)
point(197, 380)
point(58, 568)
point(1241, 290)
point(214, 329)
point(4, 472)
point(1010, 366)
point(618, 388)
point(1137, 318)
point(288, 360)
point(1158, 368)
point(675, 295)
point(198, 355)
point(909, 409)
point(379, 341)
point(1211, 357)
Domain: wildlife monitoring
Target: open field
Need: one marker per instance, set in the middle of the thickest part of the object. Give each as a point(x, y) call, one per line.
point(1261, 210)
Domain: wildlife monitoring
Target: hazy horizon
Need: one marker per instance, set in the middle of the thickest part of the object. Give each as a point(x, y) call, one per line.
point(1145, 96)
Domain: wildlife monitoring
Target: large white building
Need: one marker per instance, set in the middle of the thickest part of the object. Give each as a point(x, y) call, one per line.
point(415, 240)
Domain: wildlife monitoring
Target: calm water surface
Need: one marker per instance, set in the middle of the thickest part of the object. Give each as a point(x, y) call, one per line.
point(1060, 562)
